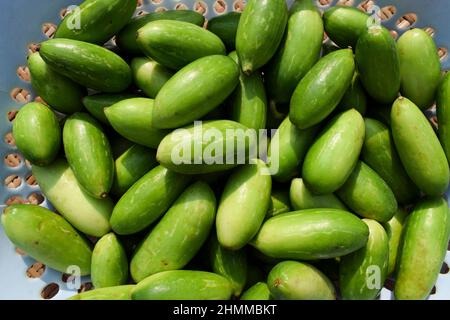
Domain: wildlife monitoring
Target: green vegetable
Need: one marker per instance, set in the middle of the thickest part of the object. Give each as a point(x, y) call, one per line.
point(260, 32)
point(109, 263)
point(178, 236)
point(37, 133)
point(46, 237)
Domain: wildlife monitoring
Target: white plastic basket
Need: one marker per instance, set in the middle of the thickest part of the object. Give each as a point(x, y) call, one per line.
point(24, 23)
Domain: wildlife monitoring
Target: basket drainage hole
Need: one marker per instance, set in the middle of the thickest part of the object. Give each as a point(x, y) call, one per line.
point(12, 160)
point(13, 181)
point(20, 95)
point(66, 277)
point(20, 252)
point(430, 31)
point(220, 6)
point(443, 53)
point(238, 5)
point(36, 198)
point(36, 270)
point(406, 21)
point(141, 13)
point(87, 286)
point(345, 3)
point(366, 5)
point(23, 72)
point(324, 2)
point(49, 291)
point(48, 29)
point(9, 139)
point(33, 47)
point(40, 100)
point(11, 115)
point(201, 7)
point(445, 269)
point(181, 6)
point(160, 9)
point(66, 11)
point(15, 200)
point(387, 12)
point(31, 180)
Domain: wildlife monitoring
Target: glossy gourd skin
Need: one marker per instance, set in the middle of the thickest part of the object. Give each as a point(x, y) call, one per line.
point(87, 64)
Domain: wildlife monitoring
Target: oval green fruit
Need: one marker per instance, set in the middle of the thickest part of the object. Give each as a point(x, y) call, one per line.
point(232, 264)
point(301, 198)
point(249, 102)
point(259, 291)
point(256, 43)
point(60, 92)
point(298, 52)
point(207, 147)
point(425, 241)
point(37, 133)
point(332, 157)
point(292, 280)
point(322, 88)
point(368, 195)
point(147, 200)
point(109, 266)
point(131, 166)
point(179, 235)
point(96, 21)
point(161, 41)
point(363, 272)
point(311, 234)
point(183, 285)
point(132, 118)
point(126, 38)
point(87, 64)
point(225, 27)
point(344, 25)
point(110, 293)
point(194, 91)
point(378, 64)
point(394, 229)
point(97, 103)
point(279, 203)
point(47, 237)
point(420, 68)
point(89, 154)
point(149, 75)
point(86, 213)
point(288, 148)
point(380, 154)
point(443, 114)
point(244, 204)
point(418, 147)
